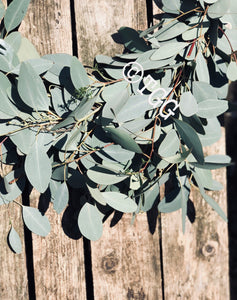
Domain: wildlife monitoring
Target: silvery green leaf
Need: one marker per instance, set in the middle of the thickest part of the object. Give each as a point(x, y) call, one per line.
point(14, 241)
point(15, 13)
point(218, 9)
point(201, 68)
point(212, 108)
point(31, 88)
point(191, 139)
point(232, 71)
point(38, 168)
point(170, 145)
point(120, 202)
point(102, 175)
point(90, 222)
point(168, 50)
point(188, 104)
point(171, 30)
point(61, 198)
point(27, 51)
point(78, 74)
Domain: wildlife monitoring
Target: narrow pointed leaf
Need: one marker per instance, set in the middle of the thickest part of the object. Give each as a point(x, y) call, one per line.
point(168, 50)
point(78, 74)
point(103, 175)
point(212, 108)
point(191, 139)
point(123, 139)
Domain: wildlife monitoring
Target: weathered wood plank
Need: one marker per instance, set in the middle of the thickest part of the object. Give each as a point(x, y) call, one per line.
point(97, 20)
point(13, 279)
point(196, 263)
point(48, 26)
point(126, 262)
point(58, 260)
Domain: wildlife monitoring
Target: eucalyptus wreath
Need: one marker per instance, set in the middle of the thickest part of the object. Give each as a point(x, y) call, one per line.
point(114, 133)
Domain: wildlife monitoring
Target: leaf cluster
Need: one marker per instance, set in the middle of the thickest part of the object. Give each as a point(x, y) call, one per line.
point(69, 130)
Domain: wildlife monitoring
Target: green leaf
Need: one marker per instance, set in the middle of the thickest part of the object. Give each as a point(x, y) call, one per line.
point(201, 68)
point(101, 175)
point(188, 104)
point(150, 196)
point(31, 88)
point(35, 221)
point(170, 145)
point(213, 162)
point(2, 10)
point(171, 30)
point(24, 139)
point(14, 40)
point(120, 202)
point(8, 57)
point(191, 139)
point(132, 41)
point(179, 157)
point(212, 132)
point(218, 9)
point(38, 168)
point(212, 108)
point(27, 50)
point(203, 91)
point(232, 71)
point(61, 198)
point(95, 192)
point(171, 202)
point(15, 13)
point(168, 50)
point(14, 241)
point(6, 106)
point(208, 199)
point(78, 74)
point(90, 223)
point(123, 139)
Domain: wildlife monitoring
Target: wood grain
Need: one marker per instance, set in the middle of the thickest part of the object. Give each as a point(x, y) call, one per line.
point(97, 20)
point(196, 263)
point(48, 26)
point(13, 279)
point(58, 260)
point(126, 262)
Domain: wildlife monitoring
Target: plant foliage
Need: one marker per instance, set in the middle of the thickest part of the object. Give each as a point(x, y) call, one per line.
point(104, 132)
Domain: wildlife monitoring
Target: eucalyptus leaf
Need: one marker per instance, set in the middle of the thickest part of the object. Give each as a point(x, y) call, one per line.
point(15, 13)
point(78, 74)
point(188, 104)
point(102, 175)
point(89, 222)
point(38, 168)
point(212, 108)
point(31, 88)
point(35, 221)
point(168, 50)
point(14, 241)
point(232, 71)
point(61, 198)
point(120, 202)
point(191, 139)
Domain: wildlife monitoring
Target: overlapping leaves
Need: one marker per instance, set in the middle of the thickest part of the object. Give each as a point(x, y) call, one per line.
point(69, 130)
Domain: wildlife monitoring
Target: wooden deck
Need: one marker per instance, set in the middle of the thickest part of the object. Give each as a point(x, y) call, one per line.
point(129, 262)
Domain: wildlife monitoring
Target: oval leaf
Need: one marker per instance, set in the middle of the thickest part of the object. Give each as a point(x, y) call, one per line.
point(38, 168)
point(31, 88)
point(212, 108)
point(188, 104)
point(120, 202)
point(90, 222)
point(14, 241)
point(35, 221)
point(105, 176)
point(61, 198)
point(168, 50)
